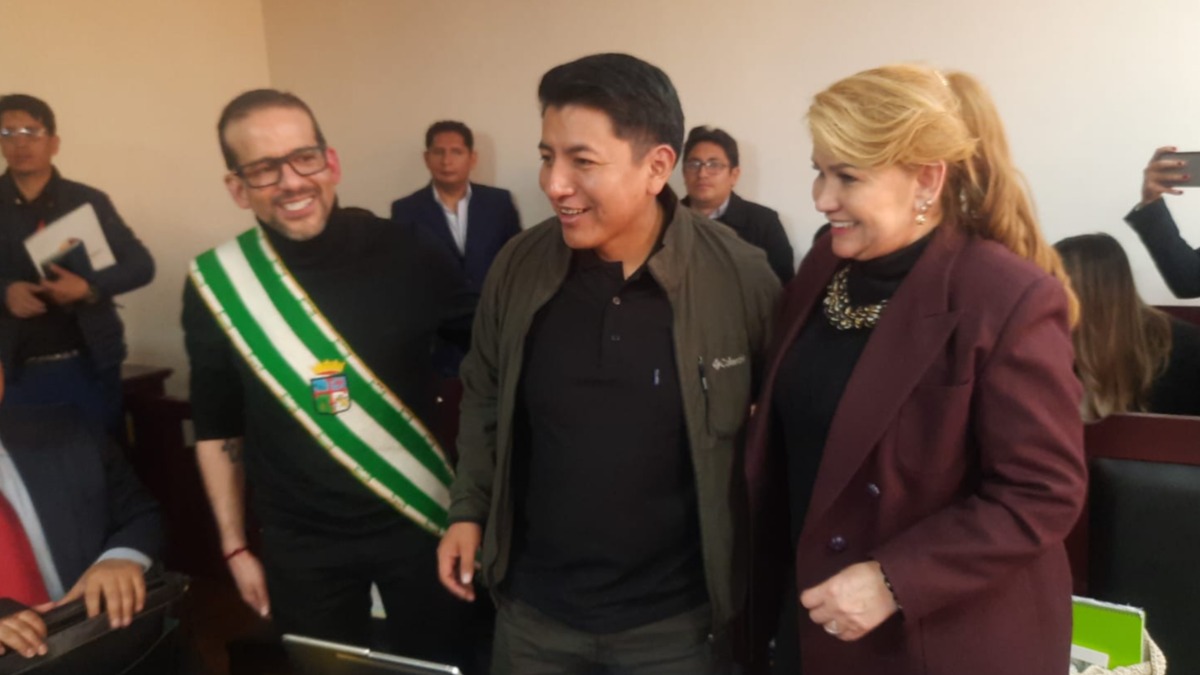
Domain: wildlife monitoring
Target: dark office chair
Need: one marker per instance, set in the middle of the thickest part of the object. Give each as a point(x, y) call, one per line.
point(1143, 525)
point(1189, 313)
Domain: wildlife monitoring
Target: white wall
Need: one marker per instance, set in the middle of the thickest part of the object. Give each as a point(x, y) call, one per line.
point(1088, 90)
point(137, 86)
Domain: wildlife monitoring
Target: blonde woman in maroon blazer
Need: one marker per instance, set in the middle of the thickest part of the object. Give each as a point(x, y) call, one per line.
point(916, 455)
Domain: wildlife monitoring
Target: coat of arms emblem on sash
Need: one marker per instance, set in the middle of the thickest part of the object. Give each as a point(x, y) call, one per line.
point(331, 394)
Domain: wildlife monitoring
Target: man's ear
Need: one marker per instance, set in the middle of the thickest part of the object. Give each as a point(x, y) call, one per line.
point(733, 175)
point(660, 163)
point(335, 165)
point(237, 189)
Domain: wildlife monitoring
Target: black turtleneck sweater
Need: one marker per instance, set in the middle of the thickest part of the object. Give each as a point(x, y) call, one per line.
point(815, 371)
point(388, 289)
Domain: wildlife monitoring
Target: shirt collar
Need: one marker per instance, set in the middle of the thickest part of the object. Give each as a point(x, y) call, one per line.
point(437, 198)
point(722, 208)
point(11, 194)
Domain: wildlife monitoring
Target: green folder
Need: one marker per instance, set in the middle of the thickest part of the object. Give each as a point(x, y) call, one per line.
point(1115, 630)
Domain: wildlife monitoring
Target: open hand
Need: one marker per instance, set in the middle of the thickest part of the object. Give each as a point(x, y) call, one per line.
point(251, 581)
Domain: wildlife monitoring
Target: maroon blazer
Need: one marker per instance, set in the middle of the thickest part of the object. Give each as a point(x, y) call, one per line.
point(955, 459)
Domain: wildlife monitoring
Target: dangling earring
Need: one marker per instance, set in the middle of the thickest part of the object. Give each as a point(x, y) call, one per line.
point(921, 212)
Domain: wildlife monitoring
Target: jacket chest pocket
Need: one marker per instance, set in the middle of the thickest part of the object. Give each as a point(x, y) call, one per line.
point(725, 382)
point(932, 428)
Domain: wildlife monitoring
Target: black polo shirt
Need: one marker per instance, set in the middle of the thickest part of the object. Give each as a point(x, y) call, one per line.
point(607, 532)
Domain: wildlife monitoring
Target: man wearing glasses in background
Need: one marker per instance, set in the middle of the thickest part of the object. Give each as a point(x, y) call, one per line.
point(309, 338)
point(61, 340)
point(710, 171)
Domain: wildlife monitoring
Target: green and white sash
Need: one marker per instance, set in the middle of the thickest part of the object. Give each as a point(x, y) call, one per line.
point(286, 341)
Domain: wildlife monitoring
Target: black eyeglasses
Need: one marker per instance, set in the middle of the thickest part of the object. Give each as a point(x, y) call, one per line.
point(267, 172)
point(711, 166)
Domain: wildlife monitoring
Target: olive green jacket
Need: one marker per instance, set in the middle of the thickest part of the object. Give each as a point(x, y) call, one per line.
point(722, 293)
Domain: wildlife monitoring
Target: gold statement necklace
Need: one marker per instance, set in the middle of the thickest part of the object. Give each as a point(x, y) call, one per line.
point(840, 313)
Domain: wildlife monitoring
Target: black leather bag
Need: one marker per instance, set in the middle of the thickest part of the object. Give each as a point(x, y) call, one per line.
point(82, 646)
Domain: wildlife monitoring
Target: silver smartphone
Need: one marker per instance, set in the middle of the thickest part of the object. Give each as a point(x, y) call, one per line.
point(1192, 167)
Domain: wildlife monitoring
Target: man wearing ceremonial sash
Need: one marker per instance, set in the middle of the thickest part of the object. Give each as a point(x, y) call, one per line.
point(309, 338)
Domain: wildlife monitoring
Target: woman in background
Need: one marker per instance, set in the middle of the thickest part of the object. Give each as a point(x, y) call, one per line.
point(1129, 356)
point(916, 457)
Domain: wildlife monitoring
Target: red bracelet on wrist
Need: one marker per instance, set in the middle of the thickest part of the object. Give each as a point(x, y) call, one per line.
point(235, 552)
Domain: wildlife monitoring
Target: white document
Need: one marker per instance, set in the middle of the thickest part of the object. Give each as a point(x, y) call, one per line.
point(80, 225)
point(1082, 658)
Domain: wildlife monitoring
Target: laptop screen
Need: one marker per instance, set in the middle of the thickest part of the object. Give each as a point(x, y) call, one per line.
point(310, 656)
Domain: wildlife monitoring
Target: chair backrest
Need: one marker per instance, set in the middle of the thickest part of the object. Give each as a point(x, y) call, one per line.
point(1143, 525)
point(1189, 313)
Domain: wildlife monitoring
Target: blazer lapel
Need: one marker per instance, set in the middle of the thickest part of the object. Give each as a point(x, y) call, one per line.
point(37, 453)
point(478, 232)
point(735, 213)
point(799, 297)
point(911, 333)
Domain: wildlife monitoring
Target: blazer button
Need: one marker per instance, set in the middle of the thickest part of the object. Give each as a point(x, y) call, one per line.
point(838, 544)
point(873, 490)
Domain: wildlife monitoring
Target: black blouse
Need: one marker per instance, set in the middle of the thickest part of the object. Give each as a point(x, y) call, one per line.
point(814, 373)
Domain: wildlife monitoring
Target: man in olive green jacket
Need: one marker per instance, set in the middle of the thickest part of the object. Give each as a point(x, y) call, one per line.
point(610, 375)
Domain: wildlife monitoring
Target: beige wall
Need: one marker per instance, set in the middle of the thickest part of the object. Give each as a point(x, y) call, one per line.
point(136, 86)
point(1088, 90)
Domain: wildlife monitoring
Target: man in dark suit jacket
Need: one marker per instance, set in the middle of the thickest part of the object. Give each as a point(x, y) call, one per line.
point(710, 171)
point(74, 523)
point(474, 221)
point(60, 337)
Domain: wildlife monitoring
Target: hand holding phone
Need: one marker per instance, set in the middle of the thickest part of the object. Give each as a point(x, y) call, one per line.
point(1190, 169)
point(1168, 170)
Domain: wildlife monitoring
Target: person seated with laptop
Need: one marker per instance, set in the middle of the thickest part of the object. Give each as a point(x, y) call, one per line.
point(75, 523)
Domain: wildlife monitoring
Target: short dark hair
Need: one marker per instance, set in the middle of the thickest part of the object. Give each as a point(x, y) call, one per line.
point(447, 126)
point(637, 96)
point(34, 106)
point(707, 134)
point(254, 100)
